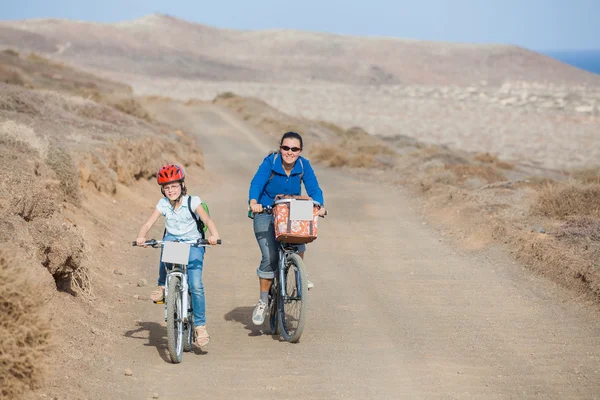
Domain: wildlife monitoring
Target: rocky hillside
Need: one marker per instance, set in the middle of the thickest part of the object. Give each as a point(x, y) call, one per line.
point(163, 46)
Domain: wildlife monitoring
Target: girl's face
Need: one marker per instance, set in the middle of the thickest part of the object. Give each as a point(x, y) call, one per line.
point(172, 190)
point(290, 150)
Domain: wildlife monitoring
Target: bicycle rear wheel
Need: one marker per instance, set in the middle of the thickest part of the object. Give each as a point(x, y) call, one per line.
point(174, 320)
point(293, 308)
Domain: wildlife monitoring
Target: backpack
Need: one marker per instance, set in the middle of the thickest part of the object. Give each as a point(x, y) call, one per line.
point(275, 158)
point(201, 227)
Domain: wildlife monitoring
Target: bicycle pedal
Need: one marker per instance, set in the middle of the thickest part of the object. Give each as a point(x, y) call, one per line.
point(159, 302)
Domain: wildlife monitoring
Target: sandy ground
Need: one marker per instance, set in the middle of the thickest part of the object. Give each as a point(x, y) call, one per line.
point(396, 312)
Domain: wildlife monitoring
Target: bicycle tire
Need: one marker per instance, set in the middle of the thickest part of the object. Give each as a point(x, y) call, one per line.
point(174, 321)
point(292, 326)
point(188, 330)
point(273, 308)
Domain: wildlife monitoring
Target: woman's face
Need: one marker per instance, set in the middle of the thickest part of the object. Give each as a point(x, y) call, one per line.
point(290, 150)
point(172, 190)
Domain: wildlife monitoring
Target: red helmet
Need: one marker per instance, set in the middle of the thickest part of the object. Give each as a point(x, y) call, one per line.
point(170, 173)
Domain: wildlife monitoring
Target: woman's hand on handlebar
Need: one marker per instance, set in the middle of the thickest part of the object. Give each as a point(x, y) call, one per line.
point(140, 241)
point(256, 208)
point(213, 239)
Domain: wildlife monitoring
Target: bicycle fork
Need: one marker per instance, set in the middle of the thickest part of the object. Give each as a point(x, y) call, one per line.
point(183, 290)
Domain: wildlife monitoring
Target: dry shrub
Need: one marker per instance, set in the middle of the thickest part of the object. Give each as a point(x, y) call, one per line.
point(485, 172)
point(580, 227)
point(566, 199)
point(332, 156)
point(36, 201)
point(64, 167)
point(488, 158)
point(15, 101)
point(128, 160)
point(224, 96)
point(19, 136)
point(132, 107)
point(564, 263)
point(24, 331)
point(587, 175)
point(10, 52)
point(445, 156)
point(61, 249)
point(11, 76)
point(36, 58)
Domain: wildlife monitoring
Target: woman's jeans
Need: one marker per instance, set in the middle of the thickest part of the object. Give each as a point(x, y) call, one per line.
point(194, 270)
point(269, 247)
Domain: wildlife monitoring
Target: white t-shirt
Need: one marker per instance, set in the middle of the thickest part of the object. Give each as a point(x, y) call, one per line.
point(180, 222)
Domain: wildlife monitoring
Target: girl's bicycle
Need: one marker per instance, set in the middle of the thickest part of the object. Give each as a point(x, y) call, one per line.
point(178, 299)
point(288, 295)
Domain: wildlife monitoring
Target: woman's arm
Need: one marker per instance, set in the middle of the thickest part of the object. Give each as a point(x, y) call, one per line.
point(212, 228)
point(311, 183)
point(260, 180)
point(141, 238)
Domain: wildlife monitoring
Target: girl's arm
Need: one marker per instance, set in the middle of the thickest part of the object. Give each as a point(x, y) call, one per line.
point(212, 228)
point(147, 226)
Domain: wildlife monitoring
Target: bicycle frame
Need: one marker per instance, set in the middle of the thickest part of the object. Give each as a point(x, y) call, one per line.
point(179, 271)
point(283, 255)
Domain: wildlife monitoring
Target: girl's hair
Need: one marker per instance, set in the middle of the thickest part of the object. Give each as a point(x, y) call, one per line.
point(292, 135)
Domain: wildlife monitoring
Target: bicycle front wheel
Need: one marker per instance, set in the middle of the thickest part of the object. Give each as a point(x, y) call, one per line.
point(293, 307)
point(174, 320)
point(188, 328)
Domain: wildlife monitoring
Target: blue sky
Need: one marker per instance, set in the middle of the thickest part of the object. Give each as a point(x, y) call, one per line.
point(535, 24)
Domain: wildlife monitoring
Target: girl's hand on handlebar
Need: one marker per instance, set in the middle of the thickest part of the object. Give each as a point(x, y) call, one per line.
point(213, 239)
point(322, 211)
point(140, 241)
point(256, 208)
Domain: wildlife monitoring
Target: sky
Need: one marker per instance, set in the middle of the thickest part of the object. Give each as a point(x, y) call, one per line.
point(539, 25)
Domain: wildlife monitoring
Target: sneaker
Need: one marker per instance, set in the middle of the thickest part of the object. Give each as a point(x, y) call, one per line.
point(309, 284)
point(258, 315)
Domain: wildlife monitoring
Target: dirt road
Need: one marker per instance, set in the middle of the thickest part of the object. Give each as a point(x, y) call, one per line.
point(395, 313)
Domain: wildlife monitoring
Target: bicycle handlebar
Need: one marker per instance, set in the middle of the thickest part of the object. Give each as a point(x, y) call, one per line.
point(155, 243)
point(269, 210)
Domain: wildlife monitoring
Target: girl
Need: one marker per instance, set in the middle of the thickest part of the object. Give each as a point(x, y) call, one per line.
point(179, 224)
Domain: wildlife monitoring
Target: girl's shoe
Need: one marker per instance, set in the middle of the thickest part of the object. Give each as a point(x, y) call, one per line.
point(158, 296)
point(202, 336)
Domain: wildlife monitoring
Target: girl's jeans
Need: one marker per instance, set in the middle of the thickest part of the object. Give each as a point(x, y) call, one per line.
point(269, 247)
point(194, 270)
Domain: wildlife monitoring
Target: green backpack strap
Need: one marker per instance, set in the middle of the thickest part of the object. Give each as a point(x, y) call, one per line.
point(201, 227)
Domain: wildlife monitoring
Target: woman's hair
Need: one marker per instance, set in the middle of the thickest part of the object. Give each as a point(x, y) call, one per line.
point(292, 135)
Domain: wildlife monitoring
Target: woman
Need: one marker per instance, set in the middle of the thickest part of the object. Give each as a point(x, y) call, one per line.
point(280, 173)
point(180, 224)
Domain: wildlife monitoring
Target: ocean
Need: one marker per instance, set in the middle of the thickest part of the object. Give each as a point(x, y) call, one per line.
point(588, 60)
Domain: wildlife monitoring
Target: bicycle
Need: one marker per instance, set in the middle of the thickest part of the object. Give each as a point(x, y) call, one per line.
point(288, 298)
point(178, 298)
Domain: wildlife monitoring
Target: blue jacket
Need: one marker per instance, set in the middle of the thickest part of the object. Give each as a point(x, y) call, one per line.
point(263, 188)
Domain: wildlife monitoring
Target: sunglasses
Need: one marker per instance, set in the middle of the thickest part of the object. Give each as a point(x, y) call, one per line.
point(294, 149)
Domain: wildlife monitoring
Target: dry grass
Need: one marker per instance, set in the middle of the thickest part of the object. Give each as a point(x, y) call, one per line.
point(587, 175)
point(24, 331)
point(485, 172)
point(580, 227)
point(11, 52)
point(567, 199)
point(11, 76)
point(62, 163)
point(494, 160)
